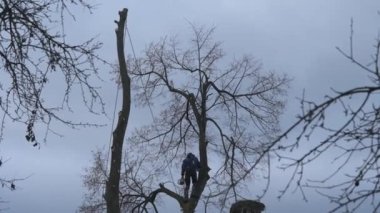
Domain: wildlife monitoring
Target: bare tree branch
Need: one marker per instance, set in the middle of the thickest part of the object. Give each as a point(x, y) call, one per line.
point(231, 112)
point(34, 58)
point(351, 142)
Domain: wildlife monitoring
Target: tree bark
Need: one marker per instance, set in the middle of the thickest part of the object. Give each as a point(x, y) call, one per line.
point(196, 192)
point(113, 182)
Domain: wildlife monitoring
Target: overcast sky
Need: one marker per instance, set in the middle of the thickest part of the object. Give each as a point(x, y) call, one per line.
point(296, 37)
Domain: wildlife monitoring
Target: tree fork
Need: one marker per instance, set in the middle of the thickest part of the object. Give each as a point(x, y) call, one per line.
point(112, 187)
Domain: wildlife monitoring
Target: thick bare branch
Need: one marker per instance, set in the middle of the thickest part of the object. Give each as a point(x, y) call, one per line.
point(233, 110)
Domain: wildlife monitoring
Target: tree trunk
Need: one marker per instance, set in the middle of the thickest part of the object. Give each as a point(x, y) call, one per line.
point(203, 177)
point(189, 206)
point(113, 182)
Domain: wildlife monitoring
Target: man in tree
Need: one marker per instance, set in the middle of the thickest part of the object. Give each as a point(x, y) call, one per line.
point(195, 91)
point(190, 166)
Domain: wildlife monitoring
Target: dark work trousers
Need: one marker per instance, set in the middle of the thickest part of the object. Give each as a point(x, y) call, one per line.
point(190, 174)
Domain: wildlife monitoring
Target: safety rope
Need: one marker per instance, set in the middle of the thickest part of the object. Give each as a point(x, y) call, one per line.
point(113, 123)
point(115, 105)
point(147, 100)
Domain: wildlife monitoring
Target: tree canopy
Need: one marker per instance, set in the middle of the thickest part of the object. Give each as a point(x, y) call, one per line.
point(225, 110)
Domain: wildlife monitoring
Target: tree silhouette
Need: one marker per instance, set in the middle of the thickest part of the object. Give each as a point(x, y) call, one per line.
point(226, 112)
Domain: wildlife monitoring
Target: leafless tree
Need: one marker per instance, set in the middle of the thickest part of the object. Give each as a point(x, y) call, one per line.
point(227, 111)
point(113, 182)
point(97, 178)
point(34, 56)
point(217, 110)
point(94, 180)
point(135, 184)
point(348, 122)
